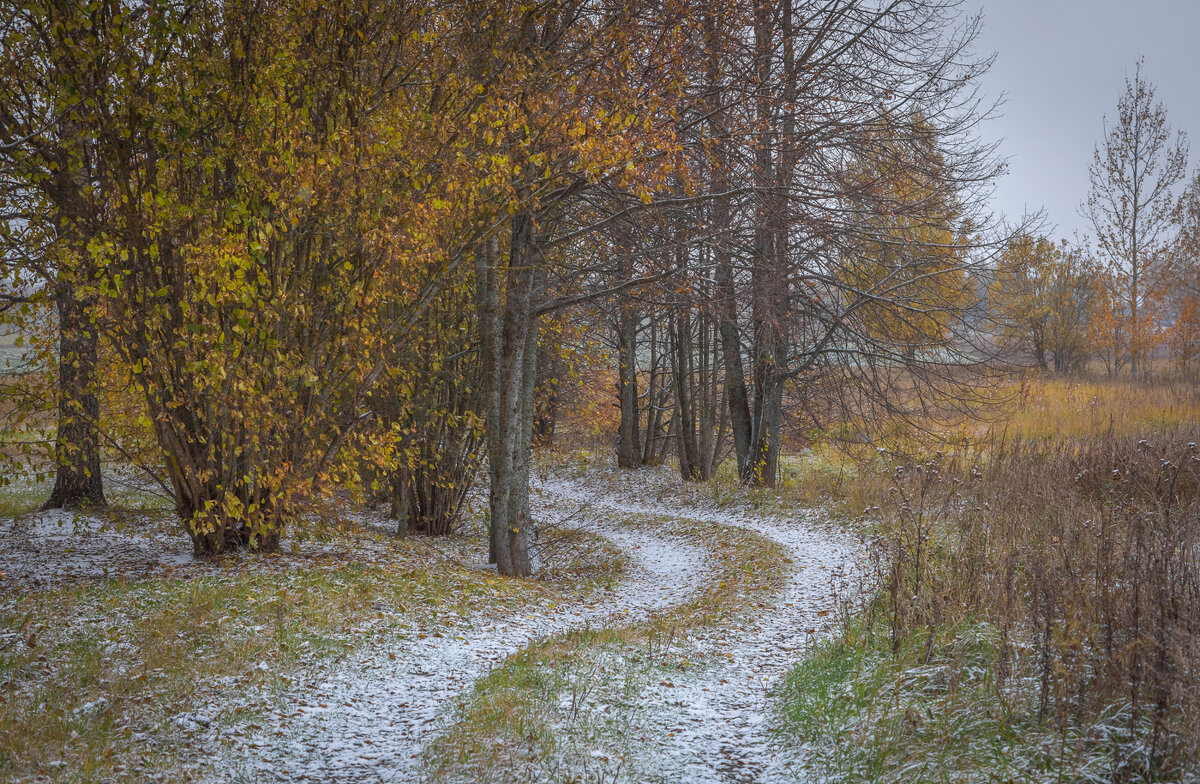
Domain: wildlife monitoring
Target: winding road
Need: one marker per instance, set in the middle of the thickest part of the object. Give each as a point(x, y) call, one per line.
point(369, 719)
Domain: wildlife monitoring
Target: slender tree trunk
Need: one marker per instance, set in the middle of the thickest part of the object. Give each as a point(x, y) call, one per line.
point(763, 465)
point(655, 404)
point(769, 281)
point(685, 419)
point(511, 371)
point(487, 283)
point(545, 396)
point(709, 399)
point(758, 469)
point(1039, 352)
point(736, 391)
point(735, 394)
point(77, 478)
point(629, 450)
point(1135, 334)
point(735, 375)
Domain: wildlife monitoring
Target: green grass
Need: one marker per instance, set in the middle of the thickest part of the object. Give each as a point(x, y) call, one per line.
point(17, 500)
point(933, 711)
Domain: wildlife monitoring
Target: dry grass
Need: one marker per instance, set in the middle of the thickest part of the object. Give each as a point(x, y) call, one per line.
point(850, 479)
point(1051, 407)
point(1075, 560)
point(1040, 582)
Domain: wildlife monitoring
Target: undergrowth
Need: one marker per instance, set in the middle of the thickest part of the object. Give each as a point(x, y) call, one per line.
point(861, 708)
point(1050, 589)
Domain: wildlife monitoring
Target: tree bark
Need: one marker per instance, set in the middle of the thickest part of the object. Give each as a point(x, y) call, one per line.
point(736, 395)
point(77, 478)
point(769, 276)
point(545, 396)
point(510, 339)
point(685, 414)
point(629, 449)
point(654, 443)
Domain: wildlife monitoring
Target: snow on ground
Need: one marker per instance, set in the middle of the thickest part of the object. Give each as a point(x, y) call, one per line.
point(369, 719)
point(48, 549)
point(56, 548)
point(712, 720)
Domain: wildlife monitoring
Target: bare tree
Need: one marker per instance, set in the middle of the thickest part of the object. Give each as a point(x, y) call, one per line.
point(1132, 206)
point(1185, 278)
point(848, 192)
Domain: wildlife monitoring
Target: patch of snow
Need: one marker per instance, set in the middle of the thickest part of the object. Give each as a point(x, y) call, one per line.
point(89, 708)
point(57, 547)
point(189, 721)
point(47, 549)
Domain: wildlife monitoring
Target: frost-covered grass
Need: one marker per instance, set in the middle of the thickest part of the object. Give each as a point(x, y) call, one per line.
point(93, 675)
point(101, 680)
point(21, 499)
point(1082, 551)
point(542, 715)
point(930, 710)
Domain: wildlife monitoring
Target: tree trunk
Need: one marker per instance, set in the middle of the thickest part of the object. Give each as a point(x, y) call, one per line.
point(77, 479)
point(763, 465)
point(654, 442)
point(769, 279)
point(487, 286)
point(510, 340)
point(685, 415)
point(545, 396)
point(710, 400)
point(735, 392)
point(629, 450)
point(731, 348)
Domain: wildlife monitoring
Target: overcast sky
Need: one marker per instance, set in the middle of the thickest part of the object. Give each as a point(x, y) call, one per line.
point(1061, 65)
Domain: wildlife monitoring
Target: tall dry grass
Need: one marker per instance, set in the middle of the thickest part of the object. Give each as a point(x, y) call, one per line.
point(1084, 552)
point(1052, 406)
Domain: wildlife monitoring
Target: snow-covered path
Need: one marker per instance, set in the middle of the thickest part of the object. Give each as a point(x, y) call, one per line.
point(714, 718)
point(369, 719)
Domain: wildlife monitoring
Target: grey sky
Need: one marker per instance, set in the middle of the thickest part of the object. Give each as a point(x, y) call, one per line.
point(1061, 65)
